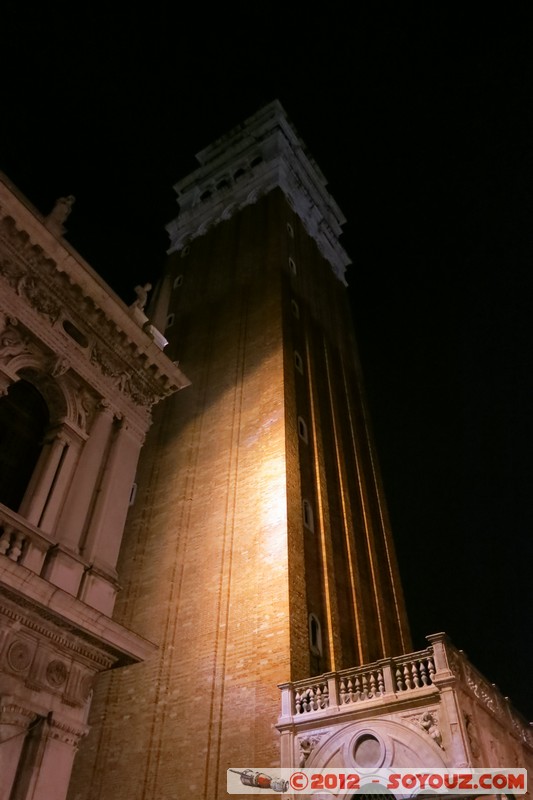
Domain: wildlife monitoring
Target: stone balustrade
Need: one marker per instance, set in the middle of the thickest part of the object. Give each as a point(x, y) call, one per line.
point(22, 542)
point(395, 680)
point(360, 684)
point(414, 671)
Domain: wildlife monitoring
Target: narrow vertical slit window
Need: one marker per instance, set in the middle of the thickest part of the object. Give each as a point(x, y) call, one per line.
point(302, 429)
point(298, 363)
point(315, 635)
point(309, 521)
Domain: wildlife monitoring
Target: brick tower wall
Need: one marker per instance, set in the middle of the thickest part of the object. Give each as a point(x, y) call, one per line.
point(217, 567)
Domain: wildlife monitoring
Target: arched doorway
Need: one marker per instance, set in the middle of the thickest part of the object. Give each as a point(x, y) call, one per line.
point(24, 419)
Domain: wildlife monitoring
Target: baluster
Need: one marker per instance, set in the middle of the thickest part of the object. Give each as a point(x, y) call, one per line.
point(407, 677)
point(416, 678)
point(317, 698)
point(372, 684)
point(431, 669)
point(399, 680)
point(351, 690)
point(342, 691)
point(357, 689)
point(298, 702)
point(325, 695)
point(16, 547)
point(381, 682)
point(364, 693)
point(424, 673)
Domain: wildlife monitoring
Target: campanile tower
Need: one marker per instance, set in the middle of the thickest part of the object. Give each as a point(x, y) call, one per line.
point(257, 549)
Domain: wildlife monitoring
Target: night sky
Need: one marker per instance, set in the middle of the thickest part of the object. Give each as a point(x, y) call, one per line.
point(421, 120)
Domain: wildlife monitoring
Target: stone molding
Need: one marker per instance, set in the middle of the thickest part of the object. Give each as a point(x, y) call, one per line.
point(253, 159)
point(66, 733)
point(14, 714)
point(78, 631)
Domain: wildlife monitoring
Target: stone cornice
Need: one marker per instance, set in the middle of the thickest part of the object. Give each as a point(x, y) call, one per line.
point(252, 160)
point(52, 279)
point(69, 623)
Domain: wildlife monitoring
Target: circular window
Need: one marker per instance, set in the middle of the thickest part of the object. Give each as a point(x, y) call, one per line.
point(368, 750)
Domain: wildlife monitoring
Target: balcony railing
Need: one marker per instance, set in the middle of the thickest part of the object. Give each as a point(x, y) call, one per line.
point(396, 679)
point(388, 676)
point(22, 542)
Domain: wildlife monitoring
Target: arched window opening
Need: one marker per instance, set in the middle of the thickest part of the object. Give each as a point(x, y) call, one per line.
point(315, 635)
point(24, 419)
point(302, 429)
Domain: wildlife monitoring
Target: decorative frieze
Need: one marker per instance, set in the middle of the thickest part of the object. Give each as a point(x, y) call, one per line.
point(104, 335)
point(77, 643)
point(66, 733)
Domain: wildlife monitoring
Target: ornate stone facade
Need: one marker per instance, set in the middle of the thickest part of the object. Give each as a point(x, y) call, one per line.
point(72, 351)
point(426, 709)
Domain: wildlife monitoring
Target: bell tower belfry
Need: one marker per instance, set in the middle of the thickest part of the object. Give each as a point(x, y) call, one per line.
point(258, 548)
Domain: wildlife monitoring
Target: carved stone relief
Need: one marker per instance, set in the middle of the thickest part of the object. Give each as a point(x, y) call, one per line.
point(12, 341)
point(19, 656)
point(306, 745)
point(428, 721)
point(472, 735)
point(56, 673)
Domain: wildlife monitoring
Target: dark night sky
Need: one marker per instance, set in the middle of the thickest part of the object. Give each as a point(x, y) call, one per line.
point(421, 119)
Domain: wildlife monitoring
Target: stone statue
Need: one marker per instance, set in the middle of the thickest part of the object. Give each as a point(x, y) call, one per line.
point(56, 218)
point(142, 296)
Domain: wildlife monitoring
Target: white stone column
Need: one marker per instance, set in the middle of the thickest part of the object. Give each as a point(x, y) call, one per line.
point(43, 476)
point(107, 524)
point(14, 723)
point(73, 517)
point(104, 536)
point(62, 480)
point(52, 772)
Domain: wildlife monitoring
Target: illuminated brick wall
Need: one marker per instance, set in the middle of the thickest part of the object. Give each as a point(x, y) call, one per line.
point(218, 566)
